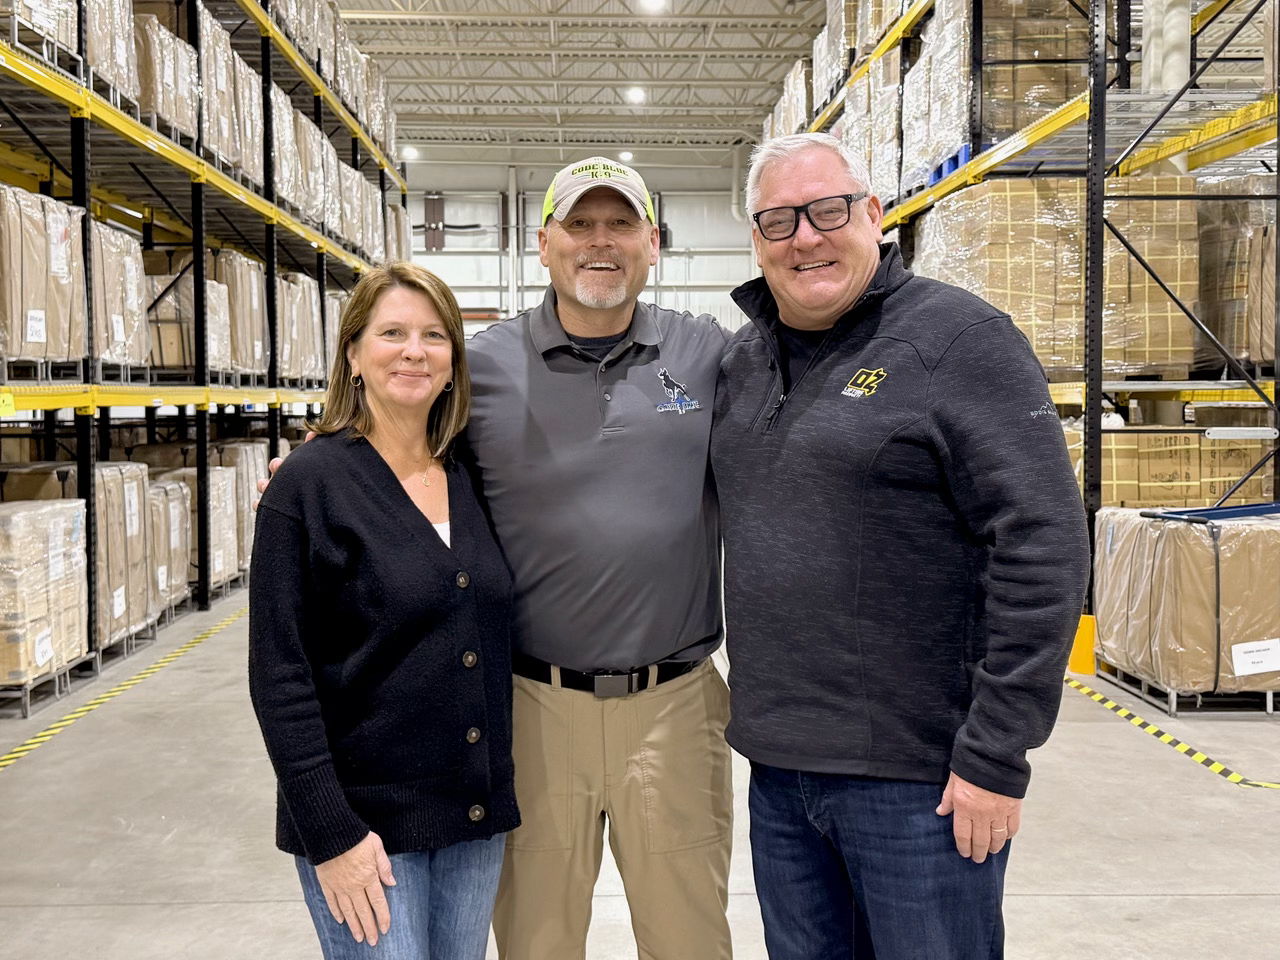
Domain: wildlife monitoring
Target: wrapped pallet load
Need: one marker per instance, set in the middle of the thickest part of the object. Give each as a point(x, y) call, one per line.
point(1189, 606)
point(43, 598)
point(59, 20)
point(310, 141)
point(249, 460)
point(287, 162)
point(885, 95)
point(217, 72)
point(171, 314)
point(121, 334)
point(109, 35)
point(246, 282)
point(168, 77)
point(249, 122)
point(224, 561)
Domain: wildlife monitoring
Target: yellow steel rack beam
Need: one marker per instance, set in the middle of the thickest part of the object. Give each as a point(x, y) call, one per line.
point(906, 23)
point(1070, 113)
point(1229, 125)
point(1073, 393)
point(1208, 13)
point(83, 102)
point(268, 28)
point(14, 397)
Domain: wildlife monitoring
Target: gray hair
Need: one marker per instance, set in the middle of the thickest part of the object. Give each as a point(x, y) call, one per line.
point(784, 148)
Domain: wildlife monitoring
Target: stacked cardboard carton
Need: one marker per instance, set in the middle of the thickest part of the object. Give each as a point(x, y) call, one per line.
point(224, 560)
point(298, 311)
point(1237, 273)
point(311, 144)
point(56, 19)
point(792, 113)
point(936, 93)
point(168, 75)
point(249, 460)
point(856, 133)
point(246, 282)
point(288, 164)
point(171, 316)
point(43, 604)
point(885, 103)
point(170, 542)
point(1020, 243)
point(42, 303)
point(399, 233)
point(1187, 607)
point(249, 122)
point(1018, 94)
point(109, 25)
point(874, 19)
point(120, 330)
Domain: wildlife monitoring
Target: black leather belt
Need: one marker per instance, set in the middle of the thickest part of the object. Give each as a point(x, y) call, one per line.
point(604, 683)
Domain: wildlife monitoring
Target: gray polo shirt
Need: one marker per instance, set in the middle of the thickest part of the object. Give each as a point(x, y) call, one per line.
point(597, 479)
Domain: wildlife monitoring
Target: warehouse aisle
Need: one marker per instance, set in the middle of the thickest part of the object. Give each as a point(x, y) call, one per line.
point(144, 831)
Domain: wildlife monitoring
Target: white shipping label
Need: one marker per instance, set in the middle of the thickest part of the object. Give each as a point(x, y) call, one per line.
point(57, 553)
point(175, 525)
point(257, 351)
point(132, 527)
point(36, 329)
point(217, 562)
point(117, 328)
point(132, 286)
point(58, 228)
point(1258, 656)
point(253, 297)
point(44, 647)
point(162, 577)
point(117, 603)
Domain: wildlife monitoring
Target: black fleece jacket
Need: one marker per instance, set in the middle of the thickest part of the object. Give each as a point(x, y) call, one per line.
point(374, 652)
point(905, 547)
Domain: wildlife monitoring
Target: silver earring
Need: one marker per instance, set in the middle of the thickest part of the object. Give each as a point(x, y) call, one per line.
point(357, 381)
point(448, 386)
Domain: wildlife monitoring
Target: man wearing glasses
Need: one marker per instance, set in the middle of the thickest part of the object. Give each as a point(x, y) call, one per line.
point(905, 562)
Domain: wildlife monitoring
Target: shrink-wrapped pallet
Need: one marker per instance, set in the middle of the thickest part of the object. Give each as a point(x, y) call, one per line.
point(874, 18)
point(301, 343)
point(825, 76)
point(249, 460)
point(886, 107)
point(246, 282)
point(109, 36)
point(287, 162)
point(249, 121)
point(177, 505)
point(43, 602)
point(311, 143)
point(120, 331)
point(1188, 606)
point(391, 137)
point(332, 218)
point(399, 233)
point(335, 301)
point(224, 563)
point(171, 317)
point(1237, 272)
point(916, 167)
point(167, 75)
point(794, 105)
point(1020, 245)
point(373, 229)
point(326, 18)
point(56, 19)
point(351, 187)
point(857, 131)
point(374, 116)
point(1018, 94)
point(157, 551)
point(217, 72)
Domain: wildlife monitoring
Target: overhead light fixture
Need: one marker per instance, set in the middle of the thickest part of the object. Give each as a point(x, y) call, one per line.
point(626, 156)
point(635, 95)
point(409, 153)
point(653, 6)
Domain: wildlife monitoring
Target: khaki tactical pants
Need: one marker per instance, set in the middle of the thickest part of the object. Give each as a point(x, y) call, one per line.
point(654, 763)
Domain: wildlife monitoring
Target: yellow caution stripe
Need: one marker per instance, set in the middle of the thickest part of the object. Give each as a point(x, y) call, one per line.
point(51, 731)
point(1167, 738)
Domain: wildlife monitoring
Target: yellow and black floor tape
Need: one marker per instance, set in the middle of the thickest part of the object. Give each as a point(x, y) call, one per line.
point(51, 731)
point(1183, 748)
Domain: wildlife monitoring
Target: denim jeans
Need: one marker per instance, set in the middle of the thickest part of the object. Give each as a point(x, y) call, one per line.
point(857, 868)
point(440, 906)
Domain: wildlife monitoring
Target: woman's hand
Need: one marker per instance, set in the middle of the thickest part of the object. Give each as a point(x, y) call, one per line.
point(352, 883)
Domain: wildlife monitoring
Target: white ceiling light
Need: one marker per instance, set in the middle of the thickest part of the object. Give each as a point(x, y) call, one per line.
point(409, 153)
point(635, 95)
point(626, 156)
point(653, 6)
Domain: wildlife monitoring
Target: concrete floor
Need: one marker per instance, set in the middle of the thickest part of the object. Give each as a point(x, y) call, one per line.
point(144, 831)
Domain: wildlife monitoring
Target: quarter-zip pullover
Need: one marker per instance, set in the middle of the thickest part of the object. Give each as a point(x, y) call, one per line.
point(905, 547)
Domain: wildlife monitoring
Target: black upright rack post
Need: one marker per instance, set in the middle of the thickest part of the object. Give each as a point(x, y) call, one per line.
point(1275, 360)
point(86, 448)
point(269, 243)
point(1095, 281)
point(204, 571)
point(322, 265)
point(1124, 44)
point(975, 72)
point(382, 204)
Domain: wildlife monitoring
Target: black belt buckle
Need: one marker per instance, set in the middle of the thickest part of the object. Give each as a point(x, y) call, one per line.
point(606, 685)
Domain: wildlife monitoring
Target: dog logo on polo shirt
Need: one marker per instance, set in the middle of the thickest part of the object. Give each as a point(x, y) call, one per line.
point(677, 393)
point(864, 383)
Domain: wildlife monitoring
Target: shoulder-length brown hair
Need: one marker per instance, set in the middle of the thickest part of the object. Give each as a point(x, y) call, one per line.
point(346, 408)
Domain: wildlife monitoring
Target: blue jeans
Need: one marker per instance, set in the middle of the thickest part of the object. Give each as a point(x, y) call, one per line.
point(440, 906)
point(857, 868)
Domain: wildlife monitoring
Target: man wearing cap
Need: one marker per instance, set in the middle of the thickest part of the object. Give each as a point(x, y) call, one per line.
point(905, 561)
point(590, 424)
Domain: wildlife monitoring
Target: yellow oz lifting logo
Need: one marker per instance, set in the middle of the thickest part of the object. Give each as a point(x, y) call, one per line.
point(864, 383)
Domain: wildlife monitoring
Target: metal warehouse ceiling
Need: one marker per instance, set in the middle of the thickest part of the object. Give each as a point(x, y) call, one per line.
point(545, 81)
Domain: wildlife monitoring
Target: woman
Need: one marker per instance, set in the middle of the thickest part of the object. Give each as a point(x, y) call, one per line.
point(379, 660)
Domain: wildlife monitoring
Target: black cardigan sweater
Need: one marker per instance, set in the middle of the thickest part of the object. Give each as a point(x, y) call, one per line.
point(379, 658)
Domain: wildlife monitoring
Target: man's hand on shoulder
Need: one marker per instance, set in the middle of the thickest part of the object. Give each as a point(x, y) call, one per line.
point(982, 821)
point(272, 467)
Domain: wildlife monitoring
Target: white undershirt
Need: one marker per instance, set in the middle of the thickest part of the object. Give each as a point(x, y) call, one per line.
point(443, 530)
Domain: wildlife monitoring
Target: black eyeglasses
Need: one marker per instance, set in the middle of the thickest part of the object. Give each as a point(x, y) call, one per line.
point(828, 213)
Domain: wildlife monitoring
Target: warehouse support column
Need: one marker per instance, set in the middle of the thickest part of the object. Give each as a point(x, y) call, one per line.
point(513, 244)
point(86, 447)
point(1094, 263)
point(1166, 58)
point(200, 334)
point(1274, 83)
point(269, 245)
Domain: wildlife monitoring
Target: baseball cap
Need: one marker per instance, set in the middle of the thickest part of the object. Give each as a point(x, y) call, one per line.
point(577, 178)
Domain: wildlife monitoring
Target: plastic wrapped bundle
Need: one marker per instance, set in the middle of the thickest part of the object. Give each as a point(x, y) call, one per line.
point(372, 230)
point(825, 76)
point(249, 460)
point(43, 602)
point(246, 282)
point(311, 190)
point(308, 343)
point(177, 543)
point(224, 562)
point(1237, 272)
point(950, 82)
point(1017, 94)
point(120, 331)
point(885, 106)
point(249, 121)
point(391, 140)
point(874, 18)
point(288, 163)
point(856, 133)
point(351, 187)
point(842, 22)
point(399, 233)
point(795, 107)
point(332, 187)
point(1185, 606)
point(171, 312)
point(166, 74)
point(335, 301)
point(56, 19)
point(916, 167)
point(109, 28)
point(217, 71)
point(375, 107)
point(326, 18)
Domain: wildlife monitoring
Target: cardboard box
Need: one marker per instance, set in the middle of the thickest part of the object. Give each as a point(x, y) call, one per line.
point(246, 293)
point(1224, 462)
point(109, 28)
point(59, 20)
point(1168, 467)
point(249, 460)
point(249, 120)
point(223, 551)
point(178, 530)
point(121, 334)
